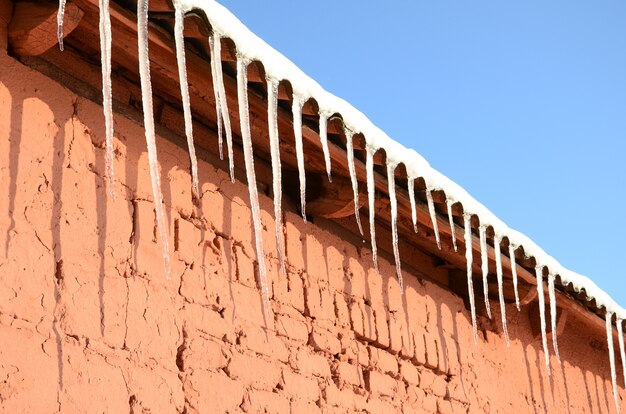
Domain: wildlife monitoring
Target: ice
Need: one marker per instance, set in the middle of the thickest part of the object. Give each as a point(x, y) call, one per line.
point(514, 274)
point(484, 265)
point(449, 203)
point(179, 25)
point(552, 296)
point(542, 315)
point(60, 18)
point(272, 119)
point(371, 193)
point(433, 216)
point(496, 245)
point(107, 95)
point(609, 339)
point(148, 119)
point(296, 109)
point(216, 94)
point(394, 221)
point(324, 141)
point(355, 183)
point(216, 57)
point(620, 336)
point(244, 117)
point(467, 223)
point(411, 188)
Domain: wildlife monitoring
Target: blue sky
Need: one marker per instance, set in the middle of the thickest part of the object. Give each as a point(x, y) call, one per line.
point(524, 105)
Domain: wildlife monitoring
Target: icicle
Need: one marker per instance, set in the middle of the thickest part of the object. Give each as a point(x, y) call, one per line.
point(394, 221)
point(433, 215)
point(296, 110)
point(60, 18)
point(107, 96)
point(324, 141)
point(371, 192)
point(411, 188)
point(216, 55)
point(470, 283)
point(272, 119)
point(496, 245)
point(552, 296)
point(148, 120)
point(179, 23)
point(484, 265)
point(449, 203)
point(609, 338)
point(542, 315)
point(218, 104)
point(244, 117)
point(355, 184)
point(514, 273)
point(620, 335)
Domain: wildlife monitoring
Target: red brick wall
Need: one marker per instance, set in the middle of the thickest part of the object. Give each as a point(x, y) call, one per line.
point(89, 324)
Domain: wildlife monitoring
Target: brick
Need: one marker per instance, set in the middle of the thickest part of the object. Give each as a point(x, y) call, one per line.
point(432, 352)
point(247, 307)
point(204, 353)
point(440, 386)
point(419, 356)
point(310, 364)
point(344, 398)
point(258, 401)
point(304, 407)
point(342, 311)
point(292, 328)
point(355, 351)
point(369, 324)
point(382, 327)
point(324, 340)
point(211, 392)
point(319, 302)
point(375, 405)
point(383, 360)
point(429, 404)
point(208, 321)
point(264, 342)
point(289, 289)
point(297, 385)
point(356, 318)
point(251, 370)
point(444, 407)
point(458, 407)
point(409, 372)
point(245, 267)
point(415, 394)
point(349, 374)
point(380, 383)
point(187, 240)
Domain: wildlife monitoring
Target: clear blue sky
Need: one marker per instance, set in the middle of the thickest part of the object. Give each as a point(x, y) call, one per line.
point(524, 105)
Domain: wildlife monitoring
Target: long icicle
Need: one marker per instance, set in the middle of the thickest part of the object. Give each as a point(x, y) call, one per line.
point(411, 187)
point(609, 340)
point(324, 141)
point(355, 183)
point(467, 223)
point(496, 245)
point(146, 100)
point(371, 192)
point(433, 215)
point(622, 352)
point(60, 19)
point(296, 110)
point(484, 265)
point(449, 203)
point(542, 315)
point(217, 56)
point(218, 103)
point(272, 119)
point(514, 274)
point(394, 221)
point(107, 95)
point(179, 24)
point(552, 297)
point(244, 117)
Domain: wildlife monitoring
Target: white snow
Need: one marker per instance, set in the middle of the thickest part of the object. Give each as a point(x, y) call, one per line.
point(107, 94)
point(244, 117)
point(272, 119)
point(433, 216)
point(449, 203)
point(179, 25)
point(609, 339)
point(496, 245)
point(411, 188)
point(324, 142)
point(352, 170)
point(514, 274)
point(484, 265)
point(146, 100)
point(296, 109)
point(60, 18)
point(542, 315)
point(394, 221)
point(467, 223)
point(553, 315)
point(371, 194)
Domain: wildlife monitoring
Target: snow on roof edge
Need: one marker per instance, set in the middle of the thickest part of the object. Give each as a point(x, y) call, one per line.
point(279, 67)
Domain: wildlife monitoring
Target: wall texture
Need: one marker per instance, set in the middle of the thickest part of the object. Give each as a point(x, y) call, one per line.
point(89, 324)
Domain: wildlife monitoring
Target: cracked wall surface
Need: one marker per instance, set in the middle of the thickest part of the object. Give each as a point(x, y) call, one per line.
point(89, 324)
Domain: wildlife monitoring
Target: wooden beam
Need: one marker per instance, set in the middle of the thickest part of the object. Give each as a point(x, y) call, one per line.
point(6, 11)
point(33, 28)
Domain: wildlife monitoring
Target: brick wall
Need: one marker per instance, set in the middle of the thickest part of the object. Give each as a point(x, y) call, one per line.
point(89, 324)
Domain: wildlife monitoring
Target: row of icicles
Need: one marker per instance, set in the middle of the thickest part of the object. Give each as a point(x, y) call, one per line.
point(224, 127)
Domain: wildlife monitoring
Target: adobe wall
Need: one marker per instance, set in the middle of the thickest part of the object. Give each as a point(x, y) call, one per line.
point(89, 324)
